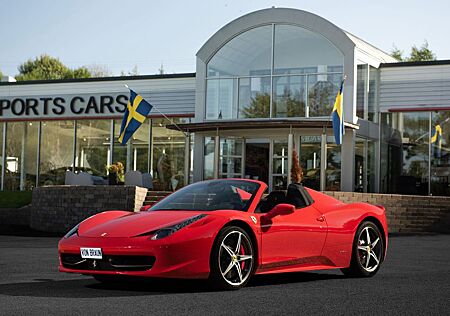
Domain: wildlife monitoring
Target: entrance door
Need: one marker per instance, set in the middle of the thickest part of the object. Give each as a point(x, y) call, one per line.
point(257, 159)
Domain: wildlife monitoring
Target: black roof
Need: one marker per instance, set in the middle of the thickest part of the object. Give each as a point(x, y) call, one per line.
point(416, 63)
point(165, 76)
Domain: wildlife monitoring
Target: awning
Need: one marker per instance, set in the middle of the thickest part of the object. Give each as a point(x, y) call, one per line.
point(257, 124)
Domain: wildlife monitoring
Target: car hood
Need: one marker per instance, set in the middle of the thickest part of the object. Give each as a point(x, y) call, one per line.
point(135, 224)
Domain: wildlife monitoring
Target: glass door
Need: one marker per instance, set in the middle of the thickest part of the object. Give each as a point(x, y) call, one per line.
point(257, 159)
point(231, 157)
point(310, 156)
point(279, 170)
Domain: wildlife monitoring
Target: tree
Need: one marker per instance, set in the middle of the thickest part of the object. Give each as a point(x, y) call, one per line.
point(259, 106)
point(46, 67)
point(132, 72)
point(417, 54)
point(397, 53)
point(1, 74)
point(422, 54)
point(98, 71)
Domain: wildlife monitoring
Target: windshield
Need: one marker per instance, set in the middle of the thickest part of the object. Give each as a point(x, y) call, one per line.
point(211, 196)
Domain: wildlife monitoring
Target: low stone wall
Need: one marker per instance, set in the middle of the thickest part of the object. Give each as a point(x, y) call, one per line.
point(59, 208)
point(15, 216)
point(406, 213)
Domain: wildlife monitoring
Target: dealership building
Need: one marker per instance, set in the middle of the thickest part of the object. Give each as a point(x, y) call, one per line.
point(264, 85)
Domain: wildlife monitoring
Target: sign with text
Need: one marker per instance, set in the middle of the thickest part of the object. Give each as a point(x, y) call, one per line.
point(65, 106)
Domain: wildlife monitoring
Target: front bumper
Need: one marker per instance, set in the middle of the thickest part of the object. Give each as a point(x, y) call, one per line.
point(170, 257)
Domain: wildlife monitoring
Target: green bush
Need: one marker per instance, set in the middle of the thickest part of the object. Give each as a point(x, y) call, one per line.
point(14, 199)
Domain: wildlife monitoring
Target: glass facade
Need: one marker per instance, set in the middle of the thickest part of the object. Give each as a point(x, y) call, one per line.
point(415, 153)
point(14, 155)
point(256, 75)
point(280, 165)
point(93, 146)
point(333, 170)
point(208, 158)
point(56, 154)
point(230, 158)
point(40, 153)
point(310, 155)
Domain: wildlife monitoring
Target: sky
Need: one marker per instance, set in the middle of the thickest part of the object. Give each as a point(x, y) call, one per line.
point(121, 35)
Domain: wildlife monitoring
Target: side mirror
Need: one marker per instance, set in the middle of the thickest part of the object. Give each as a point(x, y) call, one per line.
point(282, 209)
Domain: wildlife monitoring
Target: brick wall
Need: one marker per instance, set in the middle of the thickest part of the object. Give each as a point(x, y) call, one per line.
point(59, 208)
point(406, 213)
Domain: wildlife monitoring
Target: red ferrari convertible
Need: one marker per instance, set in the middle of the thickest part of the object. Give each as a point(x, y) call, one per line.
point(225, 231)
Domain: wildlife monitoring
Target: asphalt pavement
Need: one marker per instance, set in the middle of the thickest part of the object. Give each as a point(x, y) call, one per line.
point(414, 280)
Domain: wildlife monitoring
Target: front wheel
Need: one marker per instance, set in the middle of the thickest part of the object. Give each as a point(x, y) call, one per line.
point(232, 259)
point(368, 251)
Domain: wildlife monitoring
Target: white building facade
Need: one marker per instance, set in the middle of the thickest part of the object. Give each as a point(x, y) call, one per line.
point(264, 85)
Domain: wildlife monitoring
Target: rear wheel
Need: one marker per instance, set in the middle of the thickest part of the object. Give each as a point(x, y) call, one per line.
point(368, 251)
point(232, 259)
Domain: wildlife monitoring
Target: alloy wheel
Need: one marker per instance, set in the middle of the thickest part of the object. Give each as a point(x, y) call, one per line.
point(369, 249)
point(235, 258)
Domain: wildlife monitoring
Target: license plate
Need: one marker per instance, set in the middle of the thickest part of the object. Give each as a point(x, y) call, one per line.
point(91, 253)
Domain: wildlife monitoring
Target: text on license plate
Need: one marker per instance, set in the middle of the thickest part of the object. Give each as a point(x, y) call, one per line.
point(91, 253)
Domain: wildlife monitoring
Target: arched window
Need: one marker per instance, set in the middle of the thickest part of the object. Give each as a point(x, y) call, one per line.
point(273, 71)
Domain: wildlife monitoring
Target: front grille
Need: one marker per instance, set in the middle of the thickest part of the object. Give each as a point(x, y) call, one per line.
point(108, 263)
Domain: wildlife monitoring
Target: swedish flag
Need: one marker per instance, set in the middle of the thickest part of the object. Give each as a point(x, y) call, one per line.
point(436, 139)
point(135, 114)
point(337, 116)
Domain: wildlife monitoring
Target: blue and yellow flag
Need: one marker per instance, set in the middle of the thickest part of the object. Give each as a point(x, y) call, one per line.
point(338, 116)
point(436, 139)
point(135, 114)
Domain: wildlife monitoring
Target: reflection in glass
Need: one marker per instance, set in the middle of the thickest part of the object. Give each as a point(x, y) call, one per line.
point(280, 165)
point(56, 151)
point(371, 164)
point(440, 153)
point(254, 97)
point(208, 172)
point(322, 91)
point(247, 54)
point(14, 138)
point(309, 156)
point(404, 153)
point(360, 165)
point(93, 146)
point(311, 49)
point(372, 97)
point(220, 99)
point(168, 156)
point(289, 99)
point(333, 171)
point(230, 159)
point(361, 80)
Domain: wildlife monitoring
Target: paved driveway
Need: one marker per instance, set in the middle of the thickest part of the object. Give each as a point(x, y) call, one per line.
point(415, 279)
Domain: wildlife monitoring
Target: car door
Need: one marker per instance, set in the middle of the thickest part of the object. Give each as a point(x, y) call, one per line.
point(293, 239)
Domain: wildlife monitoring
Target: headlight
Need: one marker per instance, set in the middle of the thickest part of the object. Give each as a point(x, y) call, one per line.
point(73, 231)
point(167, 231)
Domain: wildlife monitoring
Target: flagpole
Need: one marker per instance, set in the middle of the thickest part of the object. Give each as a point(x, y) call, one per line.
point(185, 134)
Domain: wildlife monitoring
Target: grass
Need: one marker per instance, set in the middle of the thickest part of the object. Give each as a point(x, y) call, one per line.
point(14, 199)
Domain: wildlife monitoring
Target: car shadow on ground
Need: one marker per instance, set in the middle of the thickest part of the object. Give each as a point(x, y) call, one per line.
point(89, 288)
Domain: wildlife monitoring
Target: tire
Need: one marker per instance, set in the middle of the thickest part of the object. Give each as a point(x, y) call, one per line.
point(232, 260)
point(367, 251)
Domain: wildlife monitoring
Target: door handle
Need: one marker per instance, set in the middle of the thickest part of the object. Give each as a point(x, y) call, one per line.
point(320, 219)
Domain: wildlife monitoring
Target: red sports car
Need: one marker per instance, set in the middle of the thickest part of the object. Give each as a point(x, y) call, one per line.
point(227, 230)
